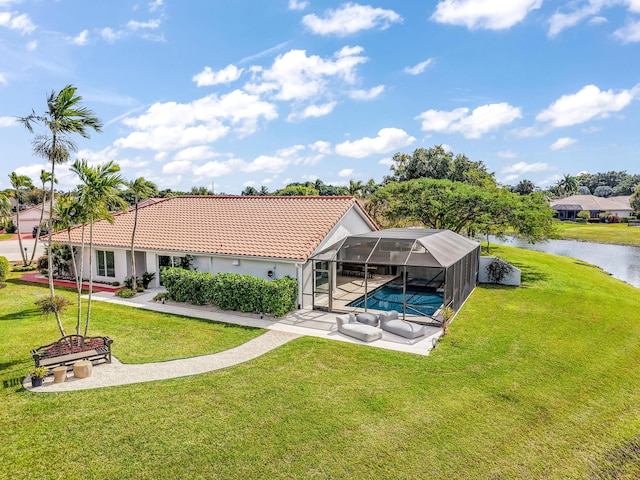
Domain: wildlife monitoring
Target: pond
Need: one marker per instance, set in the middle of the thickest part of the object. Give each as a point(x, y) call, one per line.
point(621, 261)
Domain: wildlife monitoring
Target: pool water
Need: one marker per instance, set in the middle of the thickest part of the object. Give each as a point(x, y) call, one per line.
point(389, 297)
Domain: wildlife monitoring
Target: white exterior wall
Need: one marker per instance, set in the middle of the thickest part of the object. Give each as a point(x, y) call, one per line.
point(120, 263)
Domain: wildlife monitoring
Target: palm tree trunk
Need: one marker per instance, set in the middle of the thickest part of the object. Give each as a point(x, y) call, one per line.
point(24, 256)
point(133, 258)
point(52, 290)
point(35, 244)
point(86, 325)
point(79, 284)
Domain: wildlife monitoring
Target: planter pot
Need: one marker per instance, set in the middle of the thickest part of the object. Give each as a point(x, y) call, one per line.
point(36, 382)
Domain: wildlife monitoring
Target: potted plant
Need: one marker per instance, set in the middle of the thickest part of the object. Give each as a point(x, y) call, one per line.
point(37, 375)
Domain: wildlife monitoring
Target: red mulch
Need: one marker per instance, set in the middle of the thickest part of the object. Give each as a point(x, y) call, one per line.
point(36, 277)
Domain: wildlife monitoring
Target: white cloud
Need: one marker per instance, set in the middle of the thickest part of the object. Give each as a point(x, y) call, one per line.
point(155, 5)
point(321, 147)
point(313, 111)
point(20, 22)
point(485, 14)
point(208, 77)
point(507, 154)
point(81, 39)
point(151, 24)
point(472, 125)
point(386, 161)
point(419, 68)
point(8, 122)
point(265, 163)
point(32, 45)
point(366, 94)
point(171, 126)
point(523, 167)
point(298, 4)
point(179, 166)
point(350, 18)
point(590, 102)
point(110, 35)
point(201, 152)
point(629, 33)
point(345, 172)
point(3, 79)
point(217, 169)
point(296, 76)
point(388, 140)
point(563, 142)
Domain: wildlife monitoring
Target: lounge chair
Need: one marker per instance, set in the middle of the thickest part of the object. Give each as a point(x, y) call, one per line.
point(348, 325)
point(390, 322)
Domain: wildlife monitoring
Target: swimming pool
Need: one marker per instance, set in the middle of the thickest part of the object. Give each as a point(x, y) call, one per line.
point(389, 297)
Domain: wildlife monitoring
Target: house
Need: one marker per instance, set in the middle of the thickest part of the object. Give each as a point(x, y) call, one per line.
point(267, 237)
point(569, 207)
point(30, 218)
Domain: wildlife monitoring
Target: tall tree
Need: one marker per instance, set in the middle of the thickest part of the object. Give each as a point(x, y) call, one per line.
point(98, 191)
point(524, 187)
point(5, 210)
point(141, 189)
point(69, 212)
point(355, 188)
point(568, 184)
point(64, 116)
point(45, 177)
point(19, 183)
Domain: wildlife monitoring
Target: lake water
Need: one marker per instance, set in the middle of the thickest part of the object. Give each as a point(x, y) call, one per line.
point(621, 261)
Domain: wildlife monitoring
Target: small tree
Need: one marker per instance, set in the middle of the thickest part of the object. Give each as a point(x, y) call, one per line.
point(584, 215)
point(4, 269)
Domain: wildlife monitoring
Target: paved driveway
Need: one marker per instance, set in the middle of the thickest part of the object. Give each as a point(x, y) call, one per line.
point(11, 249)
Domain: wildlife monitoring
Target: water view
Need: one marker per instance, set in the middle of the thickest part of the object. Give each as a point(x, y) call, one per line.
point(621, 261)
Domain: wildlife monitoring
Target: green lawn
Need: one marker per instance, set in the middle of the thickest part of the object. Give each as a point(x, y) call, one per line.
point(540, 381)
point(618, 233)
point(6, 236)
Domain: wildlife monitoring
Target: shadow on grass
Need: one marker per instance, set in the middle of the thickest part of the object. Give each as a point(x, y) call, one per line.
point(621, 462)
point(20, 315)
point(530, 274)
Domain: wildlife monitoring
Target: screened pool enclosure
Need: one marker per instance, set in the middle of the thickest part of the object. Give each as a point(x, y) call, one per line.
point(415, 271)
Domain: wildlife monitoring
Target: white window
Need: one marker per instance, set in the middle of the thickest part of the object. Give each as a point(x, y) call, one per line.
point(106, 263)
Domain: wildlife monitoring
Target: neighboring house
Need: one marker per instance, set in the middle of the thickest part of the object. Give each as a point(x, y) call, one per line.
point(30, 217)
point(569, 207)
point(267, 237)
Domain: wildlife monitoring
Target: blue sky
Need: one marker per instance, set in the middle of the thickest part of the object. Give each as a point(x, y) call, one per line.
point(256, 92)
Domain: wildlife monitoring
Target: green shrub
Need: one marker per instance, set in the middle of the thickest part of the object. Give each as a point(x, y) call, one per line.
point(43, 263)
point(24, 268)
point(4, 268)
point(231, 291)
point(125, 293)
point(498, 269)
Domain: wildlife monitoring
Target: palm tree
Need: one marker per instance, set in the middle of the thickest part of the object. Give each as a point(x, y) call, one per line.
point(355, 188)
point(568, 184)
point(98, 190)
point(19, 182)
point(5, 209)
point(141, 189)
point(63, 117)
point(45, 177)
point(68, 212)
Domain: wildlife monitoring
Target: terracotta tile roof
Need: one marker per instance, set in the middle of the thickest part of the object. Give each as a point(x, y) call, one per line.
point(275, 227)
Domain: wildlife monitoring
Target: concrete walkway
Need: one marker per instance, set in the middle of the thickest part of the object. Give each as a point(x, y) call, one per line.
point(280, 331)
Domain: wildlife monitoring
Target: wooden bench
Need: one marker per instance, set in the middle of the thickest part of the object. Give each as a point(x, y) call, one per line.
point(72, 348)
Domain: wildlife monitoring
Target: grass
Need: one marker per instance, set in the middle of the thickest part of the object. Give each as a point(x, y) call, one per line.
point(539, 381)
point(6, 236)
point(617, 233)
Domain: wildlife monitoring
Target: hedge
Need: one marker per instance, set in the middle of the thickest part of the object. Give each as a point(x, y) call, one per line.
point(231, 291)
point(4, 268)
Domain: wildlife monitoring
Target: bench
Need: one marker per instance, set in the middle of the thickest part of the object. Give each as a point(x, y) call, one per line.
point(72, 348)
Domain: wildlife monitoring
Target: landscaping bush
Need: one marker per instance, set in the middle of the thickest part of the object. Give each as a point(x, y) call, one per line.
point(43, 263)
point(4, 269)
point(125, 293)
point(498, 270)
point(231, 291)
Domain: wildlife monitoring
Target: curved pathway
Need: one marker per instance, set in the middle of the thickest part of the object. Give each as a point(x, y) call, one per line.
point(116, 373)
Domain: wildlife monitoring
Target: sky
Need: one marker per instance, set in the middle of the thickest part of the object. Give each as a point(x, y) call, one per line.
point(230, 94)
